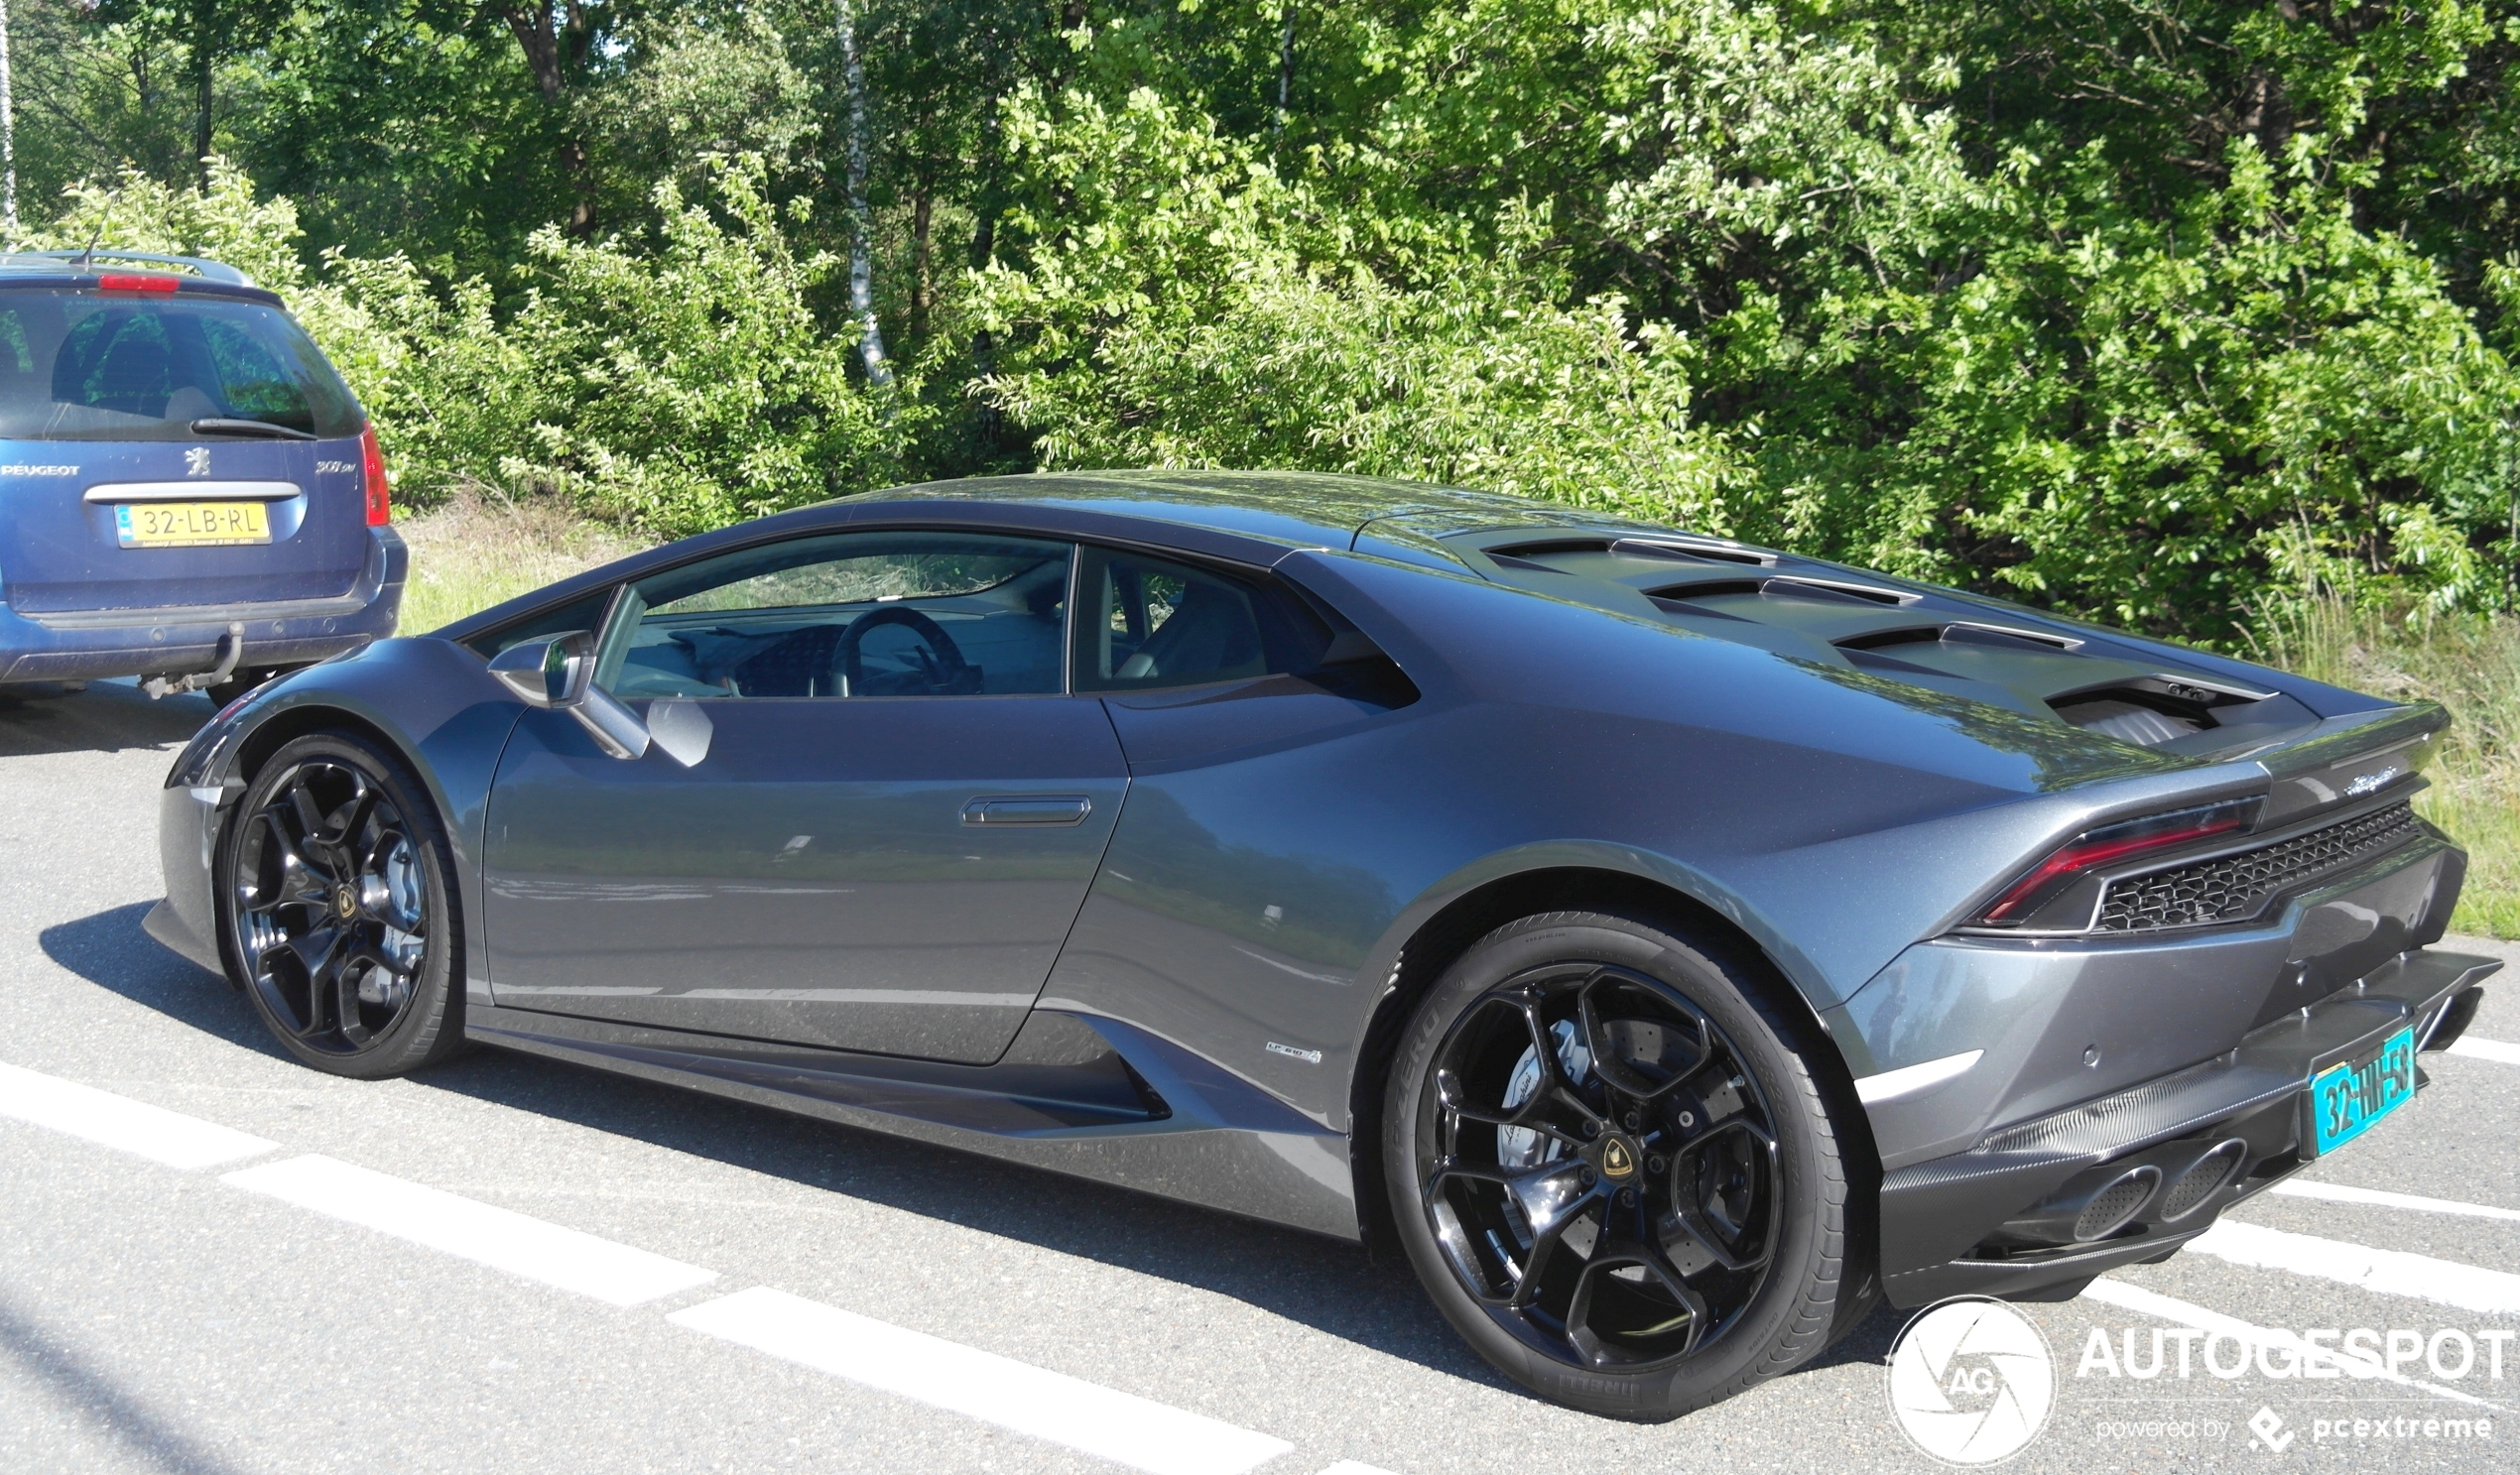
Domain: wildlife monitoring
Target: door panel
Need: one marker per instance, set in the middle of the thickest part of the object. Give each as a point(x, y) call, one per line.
point(894, 875)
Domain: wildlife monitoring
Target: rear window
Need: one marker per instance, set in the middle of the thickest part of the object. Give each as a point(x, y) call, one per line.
point(83, 366)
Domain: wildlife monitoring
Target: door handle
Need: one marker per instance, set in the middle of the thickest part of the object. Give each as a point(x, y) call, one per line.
point(1026, 809)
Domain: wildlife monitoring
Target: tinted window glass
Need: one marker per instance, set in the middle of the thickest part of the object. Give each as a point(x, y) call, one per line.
point(83, 366)
point(852, 614)
point(1148, 623)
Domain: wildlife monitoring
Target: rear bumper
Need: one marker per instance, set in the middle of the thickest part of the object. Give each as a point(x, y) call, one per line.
point(1943, 1222)
point(2006, 1080)
point(178, 639)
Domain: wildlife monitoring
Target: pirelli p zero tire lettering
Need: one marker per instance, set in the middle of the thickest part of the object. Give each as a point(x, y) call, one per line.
point(336, 914)
point(1613, 1167)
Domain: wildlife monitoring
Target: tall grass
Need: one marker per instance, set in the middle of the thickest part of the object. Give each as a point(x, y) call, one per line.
point(471, 552)
point(2470, 664)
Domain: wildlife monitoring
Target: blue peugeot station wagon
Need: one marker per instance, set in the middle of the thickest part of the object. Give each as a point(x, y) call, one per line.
point(189, 493)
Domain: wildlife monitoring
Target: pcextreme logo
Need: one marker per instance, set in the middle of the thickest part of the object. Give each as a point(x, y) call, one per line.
point(1972, 1381)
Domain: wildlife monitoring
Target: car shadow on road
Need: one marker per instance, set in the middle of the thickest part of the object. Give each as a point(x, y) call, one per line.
point(110, 950)
point(1334, 1288)
point(107, 717)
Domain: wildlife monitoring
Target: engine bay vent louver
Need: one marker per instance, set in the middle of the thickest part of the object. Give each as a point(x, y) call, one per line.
point(2234, 888)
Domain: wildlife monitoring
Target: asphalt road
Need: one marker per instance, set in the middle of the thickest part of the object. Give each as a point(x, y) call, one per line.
point(157, 1317)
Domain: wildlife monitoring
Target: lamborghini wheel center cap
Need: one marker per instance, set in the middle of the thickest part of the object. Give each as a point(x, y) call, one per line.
point(1618, 1159)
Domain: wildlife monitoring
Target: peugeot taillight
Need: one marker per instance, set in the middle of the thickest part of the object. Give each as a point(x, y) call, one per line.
point(116, 282)
point(2108, 848)
point(380, 509)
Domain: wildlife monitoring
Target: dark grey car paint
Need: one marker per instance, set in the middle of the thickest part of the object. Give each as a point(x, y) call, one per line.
point(1281, 844)
point(813, 882)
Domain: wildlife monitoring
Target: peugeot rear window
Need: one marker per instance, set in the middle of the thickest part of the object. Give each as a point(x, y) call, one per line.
point(83, 366)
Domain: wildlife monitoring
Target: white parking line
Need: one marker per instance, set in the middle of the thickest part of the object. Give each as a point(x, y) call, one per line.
point(2389, 1272)
point(1087, 1417)
point(2176, 1312)
point(118, 1122)
point(2486, 1050)
point(2377, 1198)
point(616, 1275)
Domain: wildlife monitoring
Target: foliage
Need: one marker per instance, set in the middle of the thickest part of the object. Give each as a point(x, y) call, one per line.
point(2173, 313)
point(2470, 664)
point(675, 384)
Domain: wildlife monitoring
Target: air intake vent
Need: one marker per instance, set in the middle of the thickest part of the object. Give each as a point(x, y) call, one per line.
point(2236, 887)
point(1710, 589)
point(1550, 545)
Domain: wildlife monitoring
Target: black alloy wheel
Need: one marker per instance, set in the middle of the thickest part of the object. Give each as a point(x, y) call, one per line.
point(336, 916)
point(1613, 1171)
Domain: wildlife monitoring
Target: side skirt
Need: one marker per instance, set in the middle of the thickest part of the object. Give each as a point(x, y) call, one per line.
point(1078, 1094)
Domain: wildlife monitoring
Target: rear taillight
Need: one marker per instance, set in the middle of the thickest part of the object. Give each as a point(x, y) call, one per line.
point(120, 282)
point(2107, 848)
point(380, 511)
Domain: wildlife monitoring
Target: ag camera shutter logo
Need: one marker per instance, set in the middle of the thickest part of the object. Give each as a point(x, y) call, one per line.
point(1972, 1381)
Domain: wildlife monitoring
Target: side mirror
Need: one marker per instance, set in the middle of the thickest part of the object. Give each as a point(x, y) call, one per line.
point(558, 672)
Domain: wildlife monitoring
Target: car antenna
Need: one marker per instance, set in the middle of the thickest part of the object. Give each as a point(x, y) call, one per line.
point(87, 258)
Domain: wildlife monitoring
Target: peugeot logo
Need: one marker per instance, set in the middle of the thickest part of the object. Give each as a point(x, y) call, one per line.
point(1616, 1161)
point(196, 461)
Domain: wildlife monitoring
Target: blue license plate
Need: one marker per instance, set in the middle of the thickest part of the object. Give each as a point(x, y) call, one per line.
point(2346, 1099)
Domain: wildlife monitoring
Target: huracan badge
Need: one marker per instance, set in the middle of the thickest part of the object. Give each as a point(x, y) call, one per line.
point(1616, 1161)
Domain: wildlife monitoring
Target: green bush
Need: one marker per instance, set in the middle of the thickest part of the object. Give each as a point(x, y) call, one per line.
point(676, 384)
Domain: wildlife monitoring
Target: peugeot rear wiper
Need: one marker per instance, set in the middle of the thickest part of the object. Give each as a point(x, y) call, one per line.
point(261, 427)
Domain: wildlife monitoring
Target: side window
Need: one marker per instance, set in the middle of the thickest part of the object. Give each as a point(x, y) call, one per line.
point(584, 613)
point(1146, 624)
point(847, 615)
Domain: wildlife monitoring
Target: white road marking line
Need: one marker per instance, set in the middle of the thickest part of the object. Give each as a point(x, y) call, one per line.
point(2178, 1312)
point(1354, 1467)
point(118, 1122)
point(503, 1239)
point(2339, 1193)
point(1119, 1427)
point(2486, 1050)
point(2389, 1272)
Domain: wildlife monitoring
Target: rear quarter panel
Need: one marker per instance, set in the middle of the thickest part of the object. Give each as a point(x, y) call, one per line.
point(1260, 895)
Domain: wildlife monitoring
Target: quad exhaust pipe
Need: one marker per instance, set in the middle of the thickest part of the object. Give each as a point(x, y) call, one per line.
point(2094, 1205)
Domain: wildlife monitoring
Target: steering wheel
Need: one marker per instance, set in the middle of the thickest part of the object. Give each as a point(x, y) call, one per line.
point(947, 673)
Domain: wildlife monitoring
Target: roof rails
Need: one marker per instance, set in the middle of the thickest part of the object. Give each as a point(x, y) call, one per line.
point(206, 270)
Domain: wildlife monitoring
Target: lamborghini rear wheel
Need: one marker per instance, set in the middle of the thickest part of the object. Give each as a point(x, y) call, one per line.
point(1613, 1167)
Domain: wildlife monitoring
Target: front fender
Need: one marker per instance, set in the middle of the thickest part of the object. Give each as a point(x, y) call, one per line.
point(433, 702)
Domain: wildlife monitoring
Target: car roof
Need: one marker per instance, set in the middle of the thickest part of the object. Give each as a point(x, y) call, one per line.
point(81, 270)
point(1299, 509)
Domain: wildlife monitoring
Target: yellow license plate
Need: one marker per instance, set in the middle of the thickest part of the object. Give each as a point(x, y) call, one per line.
point(191, 523)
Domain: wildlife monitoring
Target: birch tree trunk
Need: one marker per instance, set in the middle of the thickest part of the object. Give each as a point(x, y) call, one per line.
point(8, 139)
point(862, 272)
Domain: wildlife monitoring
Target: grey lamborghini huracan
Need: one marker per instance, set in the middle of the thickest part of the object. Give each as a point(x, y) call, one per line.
point(1674, 948)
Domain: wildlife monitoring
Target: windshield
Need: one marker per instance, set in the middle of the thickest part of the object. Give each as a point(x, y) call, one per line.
point(81, 366)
